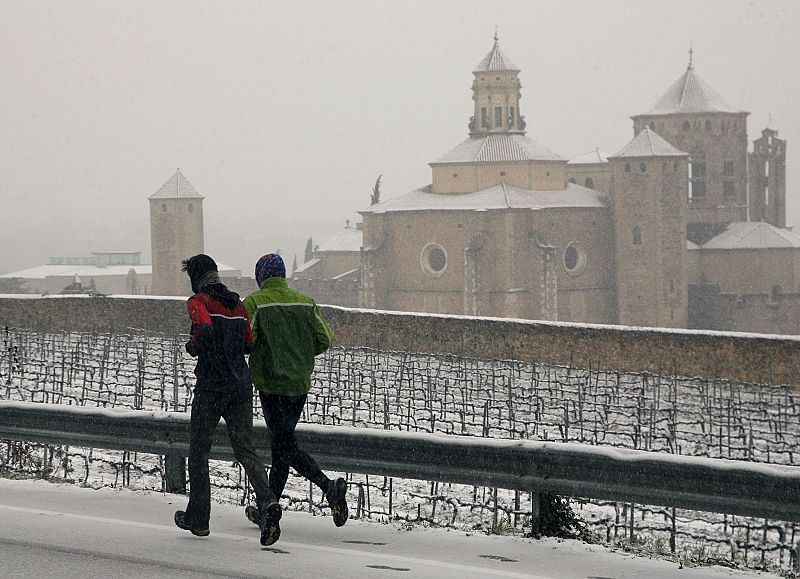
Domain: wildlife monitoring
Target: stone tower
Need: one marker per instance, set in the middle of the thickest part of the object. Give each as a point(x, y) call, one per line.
point(176, 232)
point(693, 117)
point(496, 92)
point(649, 178)
point(768, 179)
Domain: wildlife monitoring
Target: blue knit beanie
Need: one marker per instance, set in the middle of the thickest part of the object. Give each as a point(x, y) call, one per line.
point(270, 265)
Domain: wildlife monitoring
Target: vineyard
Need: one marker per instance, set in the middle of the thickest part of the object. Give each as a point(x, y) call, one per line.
point(420, 392)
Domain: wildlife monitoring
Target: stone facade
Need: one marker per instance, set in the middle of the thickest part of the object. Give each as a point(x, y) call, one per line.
point(768, 179)
point(176, 232)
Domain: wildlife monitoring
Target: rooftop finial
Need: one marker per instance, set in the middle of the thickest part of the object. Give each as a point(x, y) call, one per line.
point(496, 38)
point(691, 55)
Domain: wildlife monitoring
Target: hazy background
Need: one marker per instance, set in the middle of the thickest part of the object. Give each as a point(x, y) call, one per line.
point(283, 114)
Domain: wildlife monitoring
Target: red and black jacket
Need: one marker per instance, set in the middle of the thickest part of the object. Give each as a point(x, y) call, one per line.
point(220, 338)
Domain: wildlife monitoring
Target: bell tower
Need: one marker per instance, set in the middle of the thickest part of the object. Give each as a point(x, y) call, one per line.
point(176, 233)
point(496, 92)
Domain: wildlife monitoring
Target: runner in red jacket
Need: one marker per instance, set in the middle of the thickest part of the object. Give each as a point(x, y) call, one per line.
point(220, 338)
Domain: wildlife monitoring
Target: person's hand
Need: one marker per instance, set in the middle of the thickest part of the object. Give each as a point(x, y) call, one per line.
point(191, 349)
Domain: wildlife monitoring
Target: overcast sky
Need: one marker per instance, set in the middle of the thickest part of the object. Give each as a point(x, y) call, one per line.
point(283, 114)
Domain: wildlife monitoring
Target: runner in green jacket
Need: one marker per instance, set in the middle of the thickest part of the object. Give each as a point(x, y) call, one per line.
point(288, 332)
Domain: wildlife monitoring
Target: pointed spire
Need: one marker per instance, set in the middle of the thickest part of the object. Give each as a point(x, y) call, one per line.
point(496, 60)
point(691, 56)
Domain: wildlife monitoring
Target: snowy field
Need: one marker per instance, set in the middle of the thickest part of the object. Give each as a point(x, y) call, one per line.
point(434, 393)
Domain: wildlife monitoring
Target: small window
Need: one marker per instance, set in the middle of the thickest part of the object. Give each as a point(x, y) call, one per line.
point(686, 125)
point(455, 175)
point(652, 126)
point(498, 116)
point(728, 168)
point(572, 179)
point(708, 126)
point(637, 235)
point(433, 259)
point(190, 208)
point(642, 168)
point(627, 167)
point(548, 173)
point(574, 258)
point(163, 207)
point(502, 173)
point(589, 183)
point(675, 166)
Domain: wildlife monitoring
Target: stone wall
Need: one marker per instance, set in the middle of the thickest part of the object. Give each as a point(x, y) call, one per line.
point(770, 359)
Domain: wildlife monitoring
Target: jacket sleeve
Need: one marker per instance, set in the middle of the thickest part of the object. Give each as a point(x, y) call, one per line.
point(323, 334)
point(248, 338)
point(201, 325)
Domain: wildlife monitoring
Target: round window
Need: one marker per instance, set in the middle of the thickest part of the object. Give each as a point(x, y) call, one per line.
point(433, 259)
point(574, 258)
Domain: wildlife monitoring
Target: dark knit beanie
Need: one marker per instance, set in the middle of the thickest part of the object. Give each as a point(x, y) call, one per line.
point(202, 270)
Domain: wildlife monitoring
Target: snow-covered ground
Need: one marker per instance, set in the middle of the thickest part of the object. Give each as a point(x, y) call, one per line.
point(70, 531)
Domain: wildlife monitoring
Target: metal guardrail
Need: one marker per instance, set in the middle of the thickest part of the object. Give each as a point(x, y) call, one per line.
point(716, 485)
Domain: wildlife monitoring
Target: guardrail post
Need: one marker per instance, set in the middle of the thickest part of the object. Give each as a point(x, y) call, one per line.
point(796, 563)
point(175, 473)
point(536, 512)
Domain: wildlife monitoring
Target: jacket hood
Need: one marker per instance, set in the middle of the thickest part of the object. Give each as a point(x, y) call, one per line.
point(222, 294)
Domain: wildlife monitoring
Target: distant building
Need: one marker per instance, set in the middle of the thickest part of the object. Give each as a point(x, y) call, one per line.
point(683, 227)
point(108, 272)
point(176, 232)
point(332, 274)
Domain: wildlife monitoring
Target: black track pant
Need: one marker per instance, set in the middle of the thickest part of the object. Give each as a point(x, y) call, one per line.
point(236, 407)
point(281, 414)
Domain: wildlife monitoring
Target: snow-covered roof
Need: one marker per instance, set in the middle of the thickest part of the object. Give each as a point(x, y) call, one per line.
point(497, 148)
point(690, 94)
point(89, 271)
point(497, 197)
point(754, 235)
point(591, 158)
point(347, 274)
point(648, 143)
point(307, 265)
point(83, 271)
point(496, 60)
point(349, 239)
point(176, 186)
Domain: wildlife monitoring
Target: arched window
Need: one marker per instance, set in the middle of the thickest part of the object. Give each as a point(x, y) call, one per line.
point(652, 126)
point(642, 168)
point(572, 179)
point(708, 126)
point(589, 183)
point(637, 235)
point(686, 125)
point(627, 167)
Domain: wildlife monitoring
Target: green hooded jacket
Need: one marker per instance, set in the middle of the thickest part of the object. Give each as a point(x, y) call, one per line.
point(288, 332)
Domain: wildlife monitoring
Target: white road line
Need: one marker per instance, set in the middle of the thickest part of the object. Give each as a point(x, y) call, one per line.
point(287, 544)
